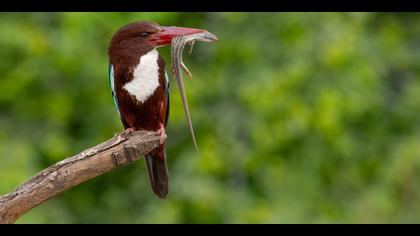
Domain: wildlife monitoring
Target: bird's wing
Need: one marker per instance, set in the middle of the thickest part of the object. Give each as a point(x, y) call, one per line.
point(156, 160)
point(114, 93)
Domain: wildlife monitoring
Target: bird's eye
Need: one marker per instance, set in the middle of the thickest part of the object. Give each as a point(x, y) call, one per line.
point(144, 34)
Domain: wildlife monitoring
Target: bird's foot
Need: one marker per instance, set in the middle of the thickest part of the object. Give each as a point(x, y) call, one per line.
point(129, 130)
point(161, 131)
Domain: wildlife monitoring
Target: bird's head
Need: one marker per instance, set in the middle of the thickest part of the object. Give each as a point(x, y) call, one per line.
point(142, 37)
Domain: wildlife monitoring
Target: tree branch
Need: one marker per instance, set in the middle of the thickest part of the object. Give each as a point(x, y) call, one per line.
point(121, 150)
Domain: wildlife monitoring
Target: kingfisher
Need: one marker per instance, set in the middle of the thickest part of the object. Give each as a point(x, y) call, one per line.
point(140, 87)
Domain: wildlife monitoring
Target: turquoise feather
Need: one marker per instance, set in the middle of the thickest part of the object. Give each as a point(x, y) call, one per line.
point(112, 85)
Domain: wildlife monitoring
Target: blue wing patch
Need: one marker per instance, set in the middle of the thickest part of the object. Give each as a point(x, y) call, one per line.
point(167, 81)
point(167, 97)
point(112, 85)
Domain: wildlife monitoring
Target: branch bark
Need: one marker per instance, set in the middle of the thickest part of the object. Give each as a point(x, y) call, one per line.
point(121, 150)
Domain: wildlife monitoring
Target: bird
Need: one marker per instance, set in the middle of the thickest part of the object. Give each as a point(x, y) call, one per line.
point(140, 87)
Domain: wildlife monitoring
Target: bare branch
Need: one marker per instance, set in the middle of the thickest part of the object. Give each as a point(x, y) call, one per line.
point(121, 150)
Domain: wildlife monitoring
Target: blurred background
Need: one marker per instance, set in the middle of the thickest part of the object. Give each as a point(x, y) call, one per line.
point(300, 118)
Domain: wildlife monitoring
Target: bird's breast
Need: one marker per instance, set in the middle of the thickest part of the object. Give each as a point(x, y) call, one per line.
point(145, 77)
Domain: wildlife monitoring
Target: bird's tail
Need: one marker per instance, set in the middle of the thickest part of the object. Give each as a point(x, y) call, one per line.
point(158, 172)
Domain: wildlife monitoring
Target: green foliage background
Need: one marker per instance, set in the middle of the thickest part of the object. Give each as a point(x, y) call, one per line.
point(300, 118)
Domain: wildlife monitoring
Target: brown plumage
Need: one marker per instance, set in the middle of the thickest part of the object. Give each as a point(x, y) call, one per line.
point(125, 51)
point(140, 107)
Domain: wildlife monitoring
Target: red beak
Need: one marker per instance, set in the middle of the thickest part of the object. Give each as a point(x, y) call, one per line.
point(165, 35)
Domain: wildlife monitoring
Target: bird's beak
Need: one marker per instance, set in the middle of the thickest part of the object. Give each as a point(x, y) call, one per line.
point(165, 35)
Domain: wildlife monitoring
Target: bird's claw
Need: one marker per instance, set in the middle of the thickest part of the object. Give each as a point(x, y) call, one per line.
point(129, 130)
point(161, 131)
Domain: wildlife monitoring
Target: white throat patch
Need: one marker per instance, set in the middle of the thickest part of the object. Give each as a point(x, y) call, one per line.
point(145, 77)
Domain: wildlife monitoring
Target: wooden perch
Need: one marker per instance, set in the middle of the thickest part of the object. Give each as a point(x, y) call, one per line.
point(121, 150)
